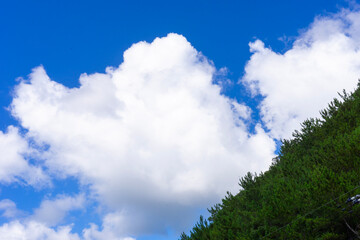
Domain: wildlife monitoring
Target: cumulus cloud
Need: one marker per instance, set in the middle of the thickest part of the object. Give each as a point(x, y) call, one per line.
point(112, 226)
point(14, 165)
point(52, 211)
point(33, 230)
point(154, 138)
point(323, 60)
point(9, 209)
point(45, 222)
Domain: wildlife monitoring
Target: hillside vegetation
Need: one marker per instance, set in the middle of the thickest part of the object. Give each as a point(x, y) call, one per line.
point(303, 194)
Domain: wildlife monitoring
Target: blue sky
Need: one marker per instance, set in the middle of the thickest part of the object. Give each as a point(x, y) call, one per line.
point(175, 102)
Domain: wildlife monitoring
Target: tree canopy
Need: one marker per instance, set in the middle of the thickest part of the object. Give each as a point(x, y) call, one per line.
point(303, 194)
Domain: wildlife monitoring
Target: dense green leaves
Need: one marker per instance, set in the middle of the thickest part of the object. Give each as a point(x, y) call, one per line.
point(303, 193)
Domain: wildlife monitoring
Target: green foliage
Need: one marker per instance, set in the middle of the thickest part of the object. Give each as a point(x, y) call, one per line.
point(293, 199)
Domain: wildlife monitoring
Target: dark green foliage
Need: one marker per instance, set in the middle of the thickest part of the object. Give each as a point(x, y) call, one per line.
point(302, 195)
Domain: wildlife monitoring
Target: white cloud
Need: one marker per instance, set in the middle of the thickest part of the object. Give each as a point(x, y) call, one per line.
point(241, 110)
point(32, 230)
point(154, 137)
point(9, 209)
point(14, 166)
point(52, 211)
point(43, 224)
point(112, 227)
point(324, 60)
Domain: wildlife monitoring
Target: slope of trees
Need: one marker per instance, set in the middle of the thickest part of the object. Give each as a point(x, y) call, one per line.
point(303, 194)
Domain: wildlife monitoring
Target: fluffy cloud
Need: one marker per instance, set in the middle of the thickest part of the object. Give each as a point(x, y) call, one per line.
point(9, 209)
point(324, 60)
point(35, 231)
point(52, 211)
point(112, 226)
point(14, 166)
point(153, 138)
point(43, 224)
